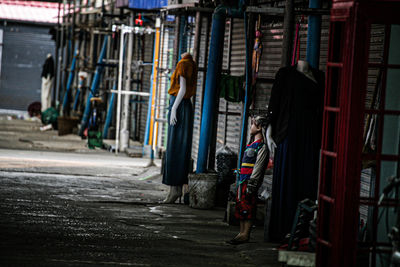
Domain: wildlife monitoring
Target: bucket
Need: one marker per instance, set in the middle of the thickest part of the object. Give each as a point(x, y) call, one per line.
point(202, 189)
point(66, 124)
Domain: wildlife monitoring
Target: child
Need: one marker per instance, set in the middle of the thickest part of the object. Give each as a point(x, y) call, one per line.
point(254, 163)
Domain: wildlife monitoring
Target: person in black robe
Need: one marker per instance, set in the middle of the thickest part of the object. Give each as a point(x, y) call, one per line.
point(295, 113)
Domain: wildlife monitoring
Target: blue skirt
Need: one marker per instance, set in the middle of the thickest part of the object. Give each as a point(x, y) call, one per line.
point(179, 144)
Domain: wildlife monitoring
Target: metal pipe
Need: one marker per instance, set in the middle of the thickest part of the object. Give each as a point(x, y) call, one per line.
point(246, 98)
point(56, 61)
point(131, 93)
point(126, 105)
point(214, 65)
point(120, 67)
point(158, 87)
point(94, 86)
point(314, 35)
point(213, 72)
point(148, 138)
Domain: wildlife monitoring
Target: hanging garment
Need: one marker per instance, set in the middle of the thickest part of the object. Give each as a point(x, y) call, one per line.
point(47, 82)
point(179, 144)
point(231, 88)
point(295, 112)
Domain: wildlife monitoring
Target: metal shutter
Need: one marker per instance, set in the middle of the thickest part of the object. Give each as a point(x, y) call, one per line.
point(24, 51)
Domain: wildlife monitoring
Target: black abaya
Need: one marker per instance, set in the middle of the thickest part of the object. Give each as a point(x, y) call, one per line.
point(295, 111)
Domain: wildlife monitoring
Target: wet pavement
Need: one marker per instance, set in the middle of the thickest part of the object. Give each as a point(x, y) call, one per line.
point(70, 209)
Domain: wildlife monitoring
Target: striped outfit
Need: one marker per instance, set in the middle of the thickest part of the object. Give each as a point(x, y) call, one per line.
point(251, 175)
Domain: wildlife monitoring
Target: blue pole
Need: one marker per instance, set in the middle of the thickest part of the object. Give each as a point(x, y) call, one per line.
point(246, 97)
point(109, 113)
point(147, 131)
point(210, 92)
point(314, 35)
point(95, 85)
point(69, 83)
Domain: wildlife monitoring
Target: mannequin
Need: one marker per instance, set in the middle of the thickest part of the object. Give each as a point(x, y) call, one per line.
point(304, 68)
point(180, 130)
point(47, 82)
point(294, 137)
point(254, 163)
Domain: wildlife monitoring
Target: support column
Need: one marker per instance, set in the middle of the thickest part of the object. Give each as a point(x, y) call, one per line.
point(210, 93)
point(124, 134)
point(288, 24)
point(314, 36)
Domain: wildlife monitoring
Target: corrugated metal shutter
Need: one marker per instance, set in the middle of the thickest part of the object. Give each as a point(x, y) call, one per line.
point(229, 124)
point(270, 62)
point(24, 52)
point(375, 55)
point(203, 50)
point(324, 41)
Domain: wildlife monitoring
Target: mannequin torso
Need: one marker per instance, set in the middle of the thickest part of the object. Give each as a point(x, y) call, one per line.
point(304, 68)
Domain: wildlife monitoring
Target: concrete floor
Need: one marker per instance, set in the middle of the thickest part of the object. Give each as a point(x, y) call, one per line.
point(95, 209)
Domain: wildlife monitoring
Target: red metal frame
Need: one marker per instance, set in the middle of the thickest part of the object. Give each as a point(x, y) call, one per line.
point(342, 142)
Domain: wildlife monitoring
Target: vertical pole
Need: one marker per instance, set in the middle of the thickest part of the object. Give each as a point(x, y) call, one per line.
point(207, 33)
point(176, 40)
point(213, 68)
point(248, 87)
point(61, 57)
point(158, 88)
point(314, 35)
point(56, 61)
point(120, 67)
point(152, 101)
point(126, 108)
point(288, 24)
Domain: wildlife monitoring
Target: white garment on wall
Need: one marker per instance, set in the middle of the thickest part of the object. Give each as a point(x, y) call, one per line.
point(46, 92)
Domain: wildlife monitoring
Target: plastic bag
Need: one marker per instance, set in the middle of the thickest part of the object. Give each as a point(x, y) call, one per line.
point(226, 163)
point(49, 116)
